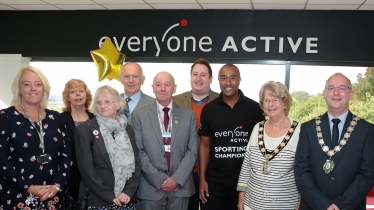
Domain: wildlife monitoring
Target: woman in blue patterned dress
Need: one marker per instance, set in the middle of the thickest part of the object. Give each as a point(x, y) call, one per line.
point(35, 156)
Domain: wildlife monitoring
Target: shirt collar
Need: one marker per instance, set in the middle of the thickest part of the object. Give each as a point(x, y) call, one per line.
point(134, 98)
point(341, 117)
point(199, 102)
point(160, 107)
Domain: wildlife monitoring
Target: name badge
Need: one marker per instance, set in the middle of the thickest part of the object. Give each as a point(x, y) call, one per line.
point(166, 134)
point(167, 148)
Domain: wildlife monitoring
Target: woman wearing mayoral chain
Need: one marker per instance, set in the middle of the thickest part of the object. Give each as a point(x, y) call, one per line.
point(266, 179)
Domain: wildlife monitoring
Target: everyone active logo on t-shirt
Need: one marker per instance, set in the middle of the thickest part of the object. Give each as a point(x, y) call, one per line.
point(237, 135)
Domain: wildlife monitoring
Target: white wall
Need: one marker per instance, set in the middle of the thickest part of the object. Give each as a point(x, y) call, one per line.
point(10, 64)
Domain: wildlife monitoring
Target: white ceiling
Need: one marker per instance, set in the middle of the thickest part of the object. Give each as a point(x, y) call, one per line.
point(186, 4)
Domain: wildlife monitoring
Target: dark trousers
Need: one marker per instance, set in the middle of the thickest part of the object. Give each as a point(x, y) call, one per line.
point(221, 196)
point(193, 204)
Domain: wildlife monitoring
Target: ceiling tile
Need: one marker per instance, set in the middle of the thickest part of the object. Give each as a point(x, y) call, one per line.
point(119, 1)
point(69, 2)
point(278, 6)
point(227, 6)
point(79, 7)
point(33, 7)
point(332, 7)
point(127, 6)
point(175, 2)
point(331, 2)
point(173, 6)
point(369, 2)
point(4, 7)
point(224, 1)
point(22, 2)
point(367, 7)
point(278, 2)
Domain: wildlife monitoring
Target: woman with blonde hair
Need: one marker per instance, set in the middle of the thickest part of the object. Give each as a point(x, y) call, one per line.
point(108, 157)
point(77, 99)
point(266, 180)
point(35, 156)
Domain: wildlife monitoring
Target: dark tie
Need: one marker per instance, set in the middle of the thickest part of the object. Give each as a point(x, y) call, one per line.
point(127, 111)
point(335, 132)
point(167, 141)
point(166, 117)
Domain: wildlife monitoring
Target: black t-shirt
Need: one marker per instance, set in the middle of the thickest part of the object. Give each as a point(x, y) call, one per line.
point(229, 131)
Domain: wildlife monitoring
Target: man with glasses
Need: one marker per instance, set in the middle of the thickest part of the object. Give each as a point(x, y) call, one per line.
point(132, 79)
point(195, 99)
point(226, 125)
point(334, 165)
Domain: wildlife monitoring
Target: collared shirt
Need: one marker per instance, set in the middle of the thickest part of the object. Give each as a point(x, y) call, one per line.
point(160, 115)
point(342, 118)
point(134, 100)
point(199, 102)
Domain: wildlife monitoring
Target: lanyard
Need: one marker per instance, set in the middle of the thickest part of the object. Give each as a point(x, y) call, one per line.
point(41, 137)
point(161, 120)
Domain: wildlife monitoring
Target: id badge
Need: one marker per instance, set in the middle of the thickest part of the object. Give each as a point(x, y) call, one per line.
point(44, 158)
point(166, 134)
point(167, 148)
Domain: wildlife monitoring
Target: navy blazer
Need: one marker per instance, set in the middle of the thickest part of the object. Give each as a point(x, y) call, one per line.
point(353, 175)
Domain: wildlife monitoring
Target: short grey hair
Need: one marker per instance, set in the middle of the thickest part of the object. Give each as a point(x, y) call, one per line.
point(141, 69)
point(112, 93)
point(338, 73)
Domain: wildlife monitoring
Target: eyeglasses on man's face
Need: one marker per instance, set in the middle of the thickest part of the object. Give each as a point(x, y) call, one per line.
point(105, 103)
point(274, 101)
point(128, 77)
point(341, 88)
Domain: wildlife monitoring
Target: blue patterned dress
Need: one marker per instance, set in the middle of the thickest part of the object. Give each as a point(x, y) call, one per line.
point(19, 169)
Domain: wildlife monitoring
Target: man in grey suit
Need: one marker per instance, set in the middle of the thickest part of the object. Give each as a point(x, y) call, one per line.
point(200, 94)
point(132, 78)
point(334, 162)
point(167, 141)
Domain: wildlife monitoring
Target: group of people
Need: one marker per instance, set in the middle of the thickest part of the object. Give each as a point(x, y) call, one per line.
point(197, 150)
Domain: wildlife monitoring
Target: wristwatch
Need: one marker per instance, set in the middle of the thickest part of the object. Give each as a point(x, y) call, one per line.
point(57, 188)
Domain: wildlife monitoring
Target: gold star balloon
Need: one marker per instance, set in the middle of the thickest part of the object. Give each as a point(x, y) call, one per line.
point(108, 61)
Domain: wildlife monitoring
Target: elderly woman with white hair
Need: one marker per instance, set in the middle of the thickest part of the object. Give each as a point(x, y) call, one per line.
point(267, 179)
point(107, 155)
point(35, 156)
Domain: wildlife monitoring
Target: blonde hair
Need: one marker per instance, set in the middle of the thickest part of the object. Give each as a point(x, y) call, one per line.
point(16, 86)
point(112, 93)
point(72, 84)
point(276, 89)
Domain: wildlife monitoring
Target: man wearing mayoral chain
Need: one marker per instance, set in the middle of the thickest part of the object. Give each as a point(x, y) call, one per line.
point(334, 164)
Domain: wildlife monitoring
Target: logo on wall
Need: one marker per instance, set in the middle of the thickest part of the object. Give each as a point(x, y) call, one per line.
point(205, 43)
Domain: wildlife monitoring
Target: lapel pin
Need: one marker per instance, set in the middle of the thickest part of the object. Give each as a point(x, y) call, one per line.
point(175, 120)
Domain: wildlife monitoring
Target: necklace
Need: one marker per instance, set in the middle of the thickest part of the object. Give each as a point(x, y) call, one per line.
point(41, 137)
point(266, 166)
point(329, 164)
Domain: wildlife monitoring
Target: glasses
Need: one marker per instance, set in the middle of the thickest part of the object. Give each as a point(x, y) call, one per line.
point(274, 101)
point(106, 103)
point(134, 77)
point(341, 88)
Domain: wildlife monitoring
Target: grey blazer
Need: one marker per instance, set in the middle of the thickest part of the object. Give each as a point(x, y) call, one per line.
point(144, 101)
point(152, 151)
point(96, 168)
